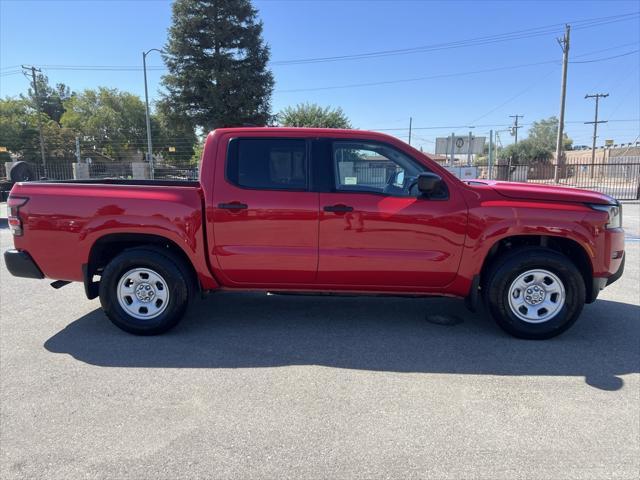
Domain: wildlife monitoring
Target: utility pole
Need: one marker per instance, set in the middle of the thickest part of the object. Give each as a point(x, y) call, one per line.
point(564, 45)
point(489, 173)
point(597, 96)
point(78, 155)
point(37, 96)
point(515, 127)
point(146, 101)
point(410, 122)
point(452, 147)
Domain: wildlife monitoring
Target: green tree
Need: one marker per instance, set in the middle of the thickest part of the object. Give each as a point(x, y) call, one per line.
point(18, 124)
point(537, 147)
point(111, 120)
point(217, 63)
point(19, 132)
point(312, 115)
point(525, 152)
point(51, 99)
point(544, 134)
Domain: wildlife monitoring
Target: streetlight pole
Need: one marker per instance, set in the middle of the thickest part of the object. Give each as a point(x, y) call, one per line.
point(146, 101)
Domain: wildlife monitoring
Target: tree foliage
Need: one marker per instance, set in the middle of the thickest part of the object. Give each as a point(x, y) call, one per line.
point(539, 146)
point(18, 124)
point(544, 134)
point(51, 99)
point(19, 132)
point(525, 152)
point(217, 61)
point(108, 118)
point(107, 121)
point(313, 115)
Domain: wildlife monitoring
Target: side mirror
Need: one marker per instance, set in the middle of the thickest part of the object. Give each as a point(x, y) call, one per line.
point(428, 183)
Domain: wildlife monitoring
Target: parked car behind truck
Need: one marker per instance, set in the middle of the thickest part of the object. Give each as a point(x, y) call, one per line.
point(320, 210)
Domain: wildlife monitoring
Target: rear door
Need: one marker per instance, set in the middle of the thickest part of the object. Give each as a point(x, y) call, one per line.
point(377, 231)
point(265, 216)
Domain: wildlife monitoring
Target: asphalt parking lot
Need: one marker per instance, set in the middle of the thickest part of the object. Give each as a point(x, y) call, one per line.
point(257, 386)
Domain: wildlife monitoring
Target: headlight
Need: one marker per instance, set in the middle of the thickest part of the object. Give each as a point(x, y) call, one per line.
point(614, 212)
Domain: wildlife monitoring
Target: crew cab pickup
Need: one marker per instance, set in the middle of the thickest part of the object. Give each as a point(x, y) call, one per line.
point(319, 211)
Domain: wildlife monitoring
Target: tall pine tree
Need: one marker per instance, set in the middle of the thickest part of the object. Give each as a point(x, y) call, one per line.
point(217, 61)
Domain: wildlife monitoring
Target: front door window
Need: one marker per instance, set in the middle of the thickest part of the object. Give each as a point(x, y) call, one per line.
point(374, 168)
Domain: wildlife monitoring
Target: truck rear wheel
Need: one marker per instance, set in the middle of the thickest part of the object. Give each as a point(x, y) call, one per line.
point(534, 293)
point(144, 291)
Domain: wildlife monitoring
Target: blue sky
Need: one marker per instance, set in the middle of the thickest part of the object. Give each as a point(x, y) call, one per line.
point(115, 33)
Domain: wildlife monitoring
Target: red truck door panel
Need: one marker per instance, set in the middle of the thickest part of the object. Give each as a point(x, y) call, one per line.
point(376, 231)
point(265, 218)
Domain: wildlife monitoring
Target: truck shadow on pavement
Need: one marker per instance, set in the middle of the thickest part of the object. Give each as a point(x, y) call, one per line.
point(248, 330)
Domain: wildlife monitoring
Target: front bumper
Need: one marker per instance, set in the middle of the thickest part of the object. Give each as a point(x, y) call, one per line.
point(20, 264)
point(600, 283)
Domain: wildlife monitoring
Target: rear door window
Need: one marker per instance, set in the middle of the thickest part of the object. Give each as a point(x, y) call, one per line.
point(268, 163)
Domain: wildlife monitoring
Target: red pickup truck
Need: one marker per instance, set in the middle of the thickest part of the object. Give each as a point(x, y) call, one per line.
point(319, 210)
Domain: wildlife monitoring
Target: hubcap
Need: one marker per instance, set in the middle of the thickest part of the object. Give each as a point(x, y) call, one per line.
point(536, 296)
point(143, 293)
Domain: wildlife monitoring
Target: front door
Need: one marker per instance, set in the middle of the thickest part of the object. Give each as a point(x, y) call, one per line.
point(265, 218)
point(375, 228)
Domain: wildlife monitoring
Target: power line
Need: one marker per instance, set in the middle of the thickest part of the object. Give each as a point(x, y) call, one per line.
point(510, 99)
point(132, 68)
point(608, 58)
point(624, 96)
point(10, 67)
point(433, 77)
point(135, 68)
point(490, 125)
point(477, 41)
point(414, 79)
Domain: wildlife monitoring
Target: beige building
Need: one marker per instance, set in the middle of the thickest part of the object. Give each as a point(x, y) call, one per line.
point(603, 155)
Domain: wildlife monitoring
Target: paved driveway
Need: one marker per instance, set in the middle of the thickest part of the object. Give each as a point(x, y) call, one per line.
point(256, 386)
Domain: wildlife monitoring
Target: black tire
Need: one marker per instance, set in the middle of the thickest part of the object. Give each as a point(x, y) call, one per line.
point(507, 269)
point(21, 172)
point(171, 270)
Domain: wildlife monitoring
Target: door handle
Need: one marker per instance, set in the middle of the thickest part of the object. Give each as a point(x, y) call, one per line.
point(338, 208)
point(233, 206)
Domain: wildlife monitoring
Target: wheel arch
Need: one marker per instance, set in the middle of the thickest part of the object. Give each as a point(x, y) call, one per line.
point(105, 248)
point(570, 248)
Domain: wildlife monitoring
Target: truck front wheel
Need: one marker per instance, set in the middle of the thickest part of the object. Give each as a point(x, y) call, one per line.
point(534, 293)
point(144, 291)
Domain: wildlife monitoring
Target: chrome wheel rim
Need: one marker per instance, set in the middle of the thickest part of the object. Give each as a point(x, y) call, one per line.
point(143, 293)
point(536, 296)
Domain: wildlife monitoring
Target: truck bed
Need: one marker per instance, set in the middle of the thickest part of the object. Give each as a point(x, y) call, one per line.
point(63, 220)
